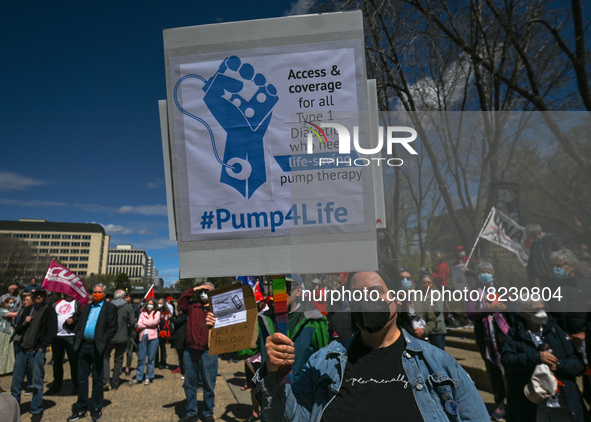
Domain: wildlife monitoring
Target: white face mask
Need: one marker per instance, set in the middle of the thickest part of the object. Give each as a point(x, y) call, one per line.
point(150, 307)
point(539, 317)
point(160, 305)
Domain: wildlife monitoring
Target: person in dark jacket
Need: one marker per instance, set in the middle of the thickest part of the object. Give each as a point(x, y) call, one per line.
point(571, 311)
point(539, 267)
point(163, 334)
point(534, 339)
point(126, 324)
point(196, 359)
point(95, 329)
point(490, 328)
point(178, 339)
point(131, 340)
point(37, 330)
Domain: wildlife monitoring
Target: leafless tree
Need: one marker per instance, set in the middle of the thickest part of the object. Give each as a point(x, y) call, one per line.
point(474, 55)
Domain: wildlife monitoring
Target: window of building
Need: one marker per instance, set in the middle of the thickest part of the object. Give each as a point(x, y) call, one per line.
point(64, 251)
point(45, 236)
point(44, 243)
point(65, 243)
point(55, 243)
point(86, 244)
point(34, 243)
point(73, 258)
point(54, 251)
point(86, 237)
point(62, 258)
point(43, 250)
point(35, 236)
point(76, 236)
point(75, 251)
point(56, 236)
point(75, 243)
point(66, 236)
point(84, 251)
point(81, 272)
point(83, 258)
point(22, 235)
point(73, 265)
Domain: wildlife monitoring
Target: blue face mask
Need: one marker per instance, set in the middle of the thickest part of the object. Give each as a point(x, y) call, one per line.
point(560, 272)
point(485, 278)
point(406, 283)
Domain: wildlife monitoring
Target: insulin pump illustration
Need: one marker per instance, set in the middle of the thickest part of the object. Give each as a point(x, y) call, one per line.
point(242, 103)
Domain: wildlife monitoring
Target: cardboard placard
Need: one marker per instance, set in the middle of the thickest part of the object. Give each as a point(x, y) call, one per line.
point(233, 336)
point(245, 195)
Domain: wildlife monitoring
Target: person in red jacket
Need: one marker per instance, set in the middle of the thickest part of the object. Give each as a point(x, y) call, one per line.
point(196, 358)
point(440, 273)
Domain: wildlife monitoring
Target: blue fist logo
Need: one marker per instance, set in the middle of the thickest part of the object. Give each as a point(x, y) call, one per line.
point(242, 102)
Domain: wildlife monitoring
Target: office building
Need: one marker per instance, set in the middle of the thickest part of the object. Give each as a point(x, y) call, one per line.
point(82, 247)
point(133, 262)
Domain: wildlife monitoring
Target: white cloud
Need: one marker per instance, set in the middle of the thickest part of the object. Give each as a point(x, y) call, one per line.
point(126, 209)
point(10, 181)
point(155, 184)
point(117, 229)
point(429, 94)
point(300, 7)
point(31, 203)
point(143, 210)
point(146, 232)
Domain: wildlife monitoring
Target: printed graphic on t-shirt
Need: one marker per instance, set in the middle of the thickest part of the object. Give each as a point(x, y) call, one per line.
point(64, 308)
point(401, 378)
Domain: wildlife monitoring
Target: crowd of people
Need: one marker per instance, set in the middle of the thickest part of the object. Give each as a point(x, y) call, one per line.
point(108, 327)
point(337, 360)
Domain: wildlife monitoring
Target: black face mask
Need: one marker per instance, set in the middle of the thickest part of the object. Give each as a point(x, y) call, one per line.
point(371, 316)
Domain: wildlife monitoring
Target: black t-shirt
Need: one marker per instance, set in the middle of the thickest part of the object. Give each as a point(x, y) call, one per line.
point(375, 387)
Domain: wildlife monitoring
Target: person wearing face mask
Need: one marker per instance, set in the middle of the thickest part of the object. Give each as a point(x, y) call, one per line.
point(570, 312)
point(7, 314)
point(196, 358)
point(490, 329)
point(13, 293)
point(539, 265)
point(163, 333)
point(381, 373)
point(423, 321)
point(94, 330)
point(147, 325)
point(536, 339)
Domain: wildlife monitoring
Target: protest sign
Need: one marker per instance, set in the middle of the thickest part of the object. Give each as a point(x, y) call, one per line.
point(236, 326)
point(505, 232)
point(247, 193)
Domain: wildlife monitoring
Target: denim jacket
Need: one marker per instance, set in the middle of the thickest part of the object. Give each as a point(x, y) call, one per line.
point(438, 383)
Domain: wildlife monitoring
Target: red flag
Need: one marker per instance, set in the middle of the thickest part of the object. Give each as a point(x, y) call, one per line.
point(150, 294)
point(259, 288)
point(60, 279)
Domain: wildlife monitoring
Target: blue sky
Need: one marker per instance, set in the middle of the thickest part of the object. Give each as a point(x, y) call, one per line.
point(80, 133)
